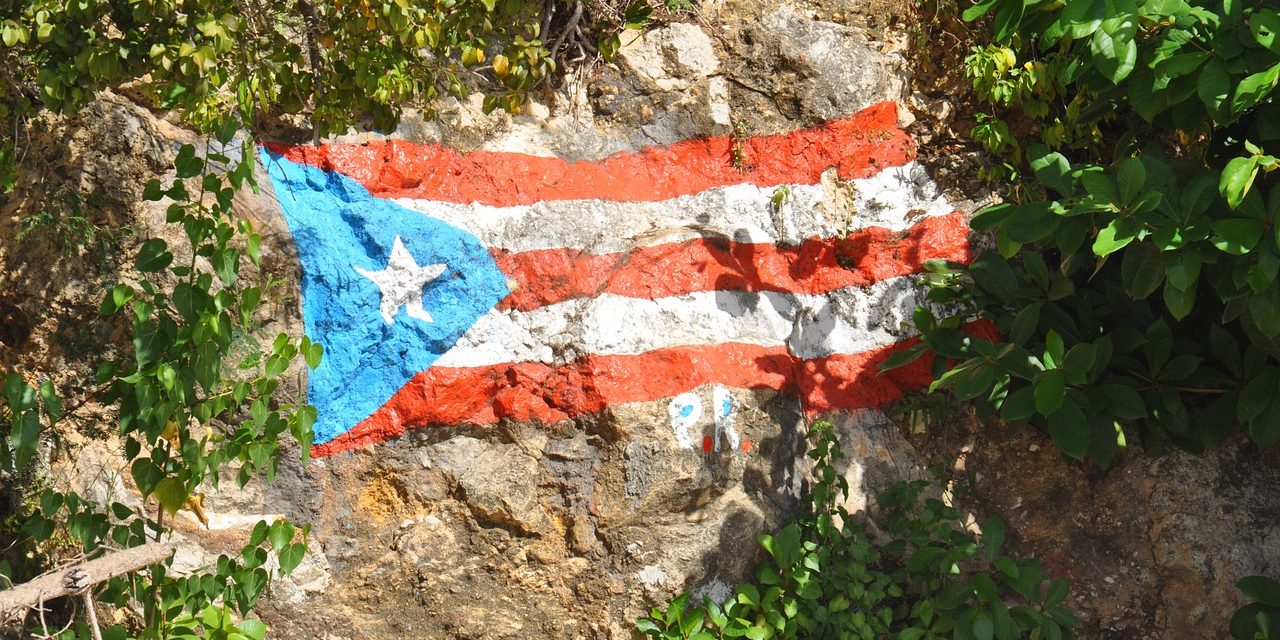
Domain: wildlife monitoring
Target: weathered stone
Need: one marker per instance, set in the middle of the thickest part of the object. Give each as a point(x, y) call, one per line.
point(494, 480)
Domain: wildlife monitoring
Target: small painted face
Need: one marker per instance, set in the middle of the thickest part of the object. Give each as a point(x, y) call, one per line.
point(724, 402)
point(685, 410)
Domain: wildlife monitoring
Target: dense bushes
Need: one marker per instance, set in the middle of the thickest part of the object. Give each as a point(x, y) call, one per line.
point(1133, 276)
point(924, 576)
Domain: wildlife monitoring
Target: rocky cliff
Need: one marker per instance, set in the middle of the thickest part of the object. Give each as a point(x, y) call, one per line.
point(591, 464)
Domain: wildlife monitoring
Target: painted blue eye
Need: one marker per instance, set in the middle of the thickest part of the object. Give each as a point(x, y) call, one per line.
point(725, 407)
point(686, 410)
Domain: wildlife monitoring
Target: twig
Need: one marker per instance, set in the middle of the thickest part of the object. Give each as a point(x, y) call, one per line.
point(57, 585)
point(568, 29)
point(91, 614)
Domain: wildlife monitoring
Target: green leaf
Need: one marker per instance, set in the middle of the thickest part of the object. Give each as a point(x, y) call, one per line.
point(146, 475)
point(978, 10)
point(1018, 405)
point(1099, 186)
point(186, 164)
point(1070, 430)
point(1057, 592)
point(1114, 51)
point(49, 398)
point(153, 256)
point(1179, 302)
point(1237, 178)
point(1264, 24)
point(1141, 270)
point(1213, 85)
point(1116, 236)
point(993, 531)
point(1050, 389)
point(1237, 236)
point(254, 629)
point(1123, 401)
point(637, 14)
point(314, 354)
point(983, 627)
point(1008, 17)
point(1261, 589)
point(1081, 18)
point(1051, 168)
point(1256, 395)
point(1131, 176)
point(1254, 88)
point(171, 493)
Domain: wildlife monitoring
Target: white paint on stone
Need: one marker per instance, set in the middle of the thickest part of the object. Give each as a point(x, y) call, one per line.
point(718, 99)
point(850, 320)
point(725, 404)
point(401, 283)
point(685, 410)
point(742, 213)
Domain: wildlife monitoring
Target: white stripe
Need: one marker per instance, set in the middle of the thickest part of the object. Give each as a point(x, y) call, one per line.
point(741, 213)
point(850, 320)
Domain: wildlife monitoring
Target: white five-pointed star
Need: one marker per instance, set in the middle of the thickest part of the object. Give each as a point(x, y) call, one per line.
point(401, 283)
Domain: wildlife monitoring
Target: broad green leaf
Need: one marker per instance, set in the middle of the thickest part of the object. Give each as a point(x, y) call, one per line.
point(1114, 51)
point(1237, 178)
point(1264, 24)
point(1018, 405)
point(1008, 17)
point(1051, 168)
point(1123, 401)
point(1070, 430)
point(1213, 85)
point(171, 493)
point(1082, 17)
point(1050, 389)
point(1131, 176)
point(153, 256)
point(1256, 395)
point(1099, 186)
point(1116, 236)
point(983, 627)
point(1254, 88)
point(1142, 270)
point(993, 531)
point(1237, 236)
point(49, 398)
point(978, 10)
point(1179, 302)
point(1261, 589)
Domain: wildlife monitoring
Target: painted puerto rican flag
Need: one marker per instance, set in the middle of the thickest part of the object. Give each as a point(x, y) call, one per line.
point(452, 288)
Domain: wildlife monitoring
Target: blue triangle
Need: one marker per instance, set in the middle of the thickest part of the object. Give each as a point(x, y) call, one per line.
point(337, 225)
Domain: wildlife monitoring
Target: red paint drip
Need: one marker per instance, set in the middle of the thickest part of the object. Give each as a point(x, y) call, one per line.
point(534, 391)
point(746, 445)
point(706, 444)
point(858, 146)
point(816, 266)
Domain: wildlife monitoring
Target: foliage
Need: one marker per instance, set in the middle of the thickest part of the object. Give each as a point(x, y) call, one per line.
point(182, 414)
point(825, 578)
point(1259, 620)
point(1134, 273)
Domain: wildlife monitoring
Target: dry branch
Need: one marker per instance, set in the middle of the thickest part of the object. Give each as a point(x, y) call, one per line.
point(76, 578)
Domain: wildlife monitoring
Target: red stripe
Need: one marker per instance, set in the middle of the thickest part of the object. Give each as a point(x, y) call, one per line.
point(816, 266)
point(551, 393)
point(858, 146)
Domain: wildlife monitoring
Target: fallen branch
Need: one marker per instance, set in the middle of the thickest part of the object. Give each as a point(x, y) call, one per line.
point(77, 578)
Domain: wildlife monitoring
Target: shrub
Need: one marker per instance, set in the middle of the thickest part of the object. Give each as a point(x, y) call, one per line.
point(1133, 277)
point(925, 576)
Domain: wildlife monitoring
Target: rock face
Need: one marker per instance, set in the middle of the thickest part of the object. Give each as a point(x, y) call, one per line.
point(555, 500)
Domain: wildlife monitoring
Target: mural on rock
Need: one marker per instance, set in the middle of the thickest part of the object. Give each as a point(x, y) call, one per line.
point(468, 288)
